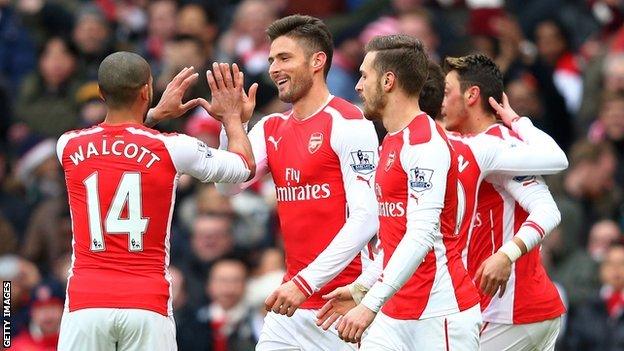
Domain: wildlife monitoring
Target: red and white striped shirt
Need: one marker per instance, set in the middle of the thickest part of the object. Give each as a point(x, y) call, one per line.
point(416, 186)
point(323, 168)
point(499, 206)
point(121, 183)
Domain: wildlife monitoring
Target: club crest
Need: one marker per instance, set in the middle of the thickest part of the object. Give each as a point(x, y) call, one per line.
point(389, 161)
point(316, 140)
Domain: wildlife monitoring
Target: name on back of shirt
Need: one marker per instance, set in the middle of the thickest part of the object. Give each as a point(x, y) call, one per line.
point(119, 147)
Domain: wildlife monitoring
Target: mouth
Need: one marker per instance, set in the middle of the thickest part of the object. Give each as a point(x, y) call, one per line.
point(280, 81)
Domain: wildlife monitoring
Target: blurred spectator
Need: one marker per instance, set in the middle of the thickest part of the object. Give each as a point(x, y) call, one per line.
point(610, 127)
point(587, 189)
point(195, 21)
point(258, 289)
point(211, 239)
point(203, 127)
point(8, 239)
point(24, 276)
point(39, 171)
point(553, 47)
point(528, 100)
point(47, 99)
point(17, 47)
point(91, 35)
point(604, 75)
point(246, 42)
point(49, 234)
point(418, 23)
point(599, 324)
point(579, 273)
point(91, 107)
point(345, 69)
point(226, 313)
point(161, 28)
point(46, 310)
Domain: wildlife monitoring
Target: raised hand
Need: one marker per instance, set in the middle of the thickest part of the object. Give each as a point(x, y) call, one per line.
point(249, 99)
point(226, 89)
point(340, 301)
point(170, 104)
point(504, 110)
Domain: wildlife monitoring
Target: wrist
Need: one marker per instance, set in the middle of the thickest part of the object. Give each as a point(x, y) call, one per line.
point(358, 291)
point(511, 250)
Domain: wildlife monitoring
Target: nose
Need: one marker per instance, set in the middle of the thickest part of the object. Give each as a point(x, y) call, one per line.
point(273, 68)
point(358, 86)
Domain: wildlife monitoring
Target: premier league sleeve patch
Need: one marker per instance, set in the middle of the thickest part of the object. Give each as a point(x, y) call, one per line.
point(420, 179)
point(363, 162)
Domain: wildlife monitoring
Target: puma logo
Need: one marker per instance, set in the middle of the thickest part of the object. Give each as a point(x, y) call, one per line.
point(272, 140)
point(367, 181)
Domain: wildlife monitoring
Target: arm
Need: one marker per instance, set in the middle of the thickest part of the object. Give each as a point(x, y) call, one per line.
point(359, 227)
point(533, 195)
point(191, 156)
point(362, 223)
point(537, 154)
point(423, 221)
point(258, 147)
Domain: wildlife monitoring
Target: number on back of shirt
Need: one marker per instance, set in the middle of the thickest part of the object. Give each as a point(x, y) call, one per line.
point(127, 195)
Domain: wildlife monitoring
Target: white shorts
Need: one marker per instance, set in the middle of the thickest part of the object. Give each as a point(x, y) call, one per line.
point(299, 333)
point(457, 332)
point(116, 329)
point(540, 336)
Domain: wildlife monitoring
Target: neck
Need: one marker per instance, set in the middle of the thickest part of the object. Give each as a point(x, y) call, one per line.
point(310, 103)
point(477, 122)
point(123, 116)
point(400, 110)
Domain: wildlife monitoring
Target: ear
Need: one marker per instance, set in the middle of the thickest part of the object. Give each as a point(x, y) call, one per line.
point(145, 92)
point(319, 60)
point(388, 81)
point(472, 95)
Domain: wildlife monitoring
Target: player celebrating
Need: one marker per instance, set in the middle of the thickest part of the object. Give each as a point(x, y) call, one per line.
point(322, 155)
point(426, 294)
point(526, 314)
point(121, 180)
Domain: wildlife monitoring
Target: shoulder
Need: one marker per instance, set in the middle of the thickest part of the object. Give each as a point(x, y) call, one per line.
point(500, 132)
point(66, 137)
point(340, 108)
point(273, 119)
point(423, 130)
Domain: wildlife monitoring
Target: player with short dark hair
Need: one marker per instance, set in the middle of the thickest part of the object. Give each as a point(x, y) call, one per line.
point(121, 182)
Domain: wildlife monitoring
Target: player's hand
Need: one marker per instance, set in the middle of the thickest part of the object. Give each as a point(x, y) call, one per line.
point(226, 88)
point(354, 323)
point(285, 300)
point(170, 104)
point(504, 110)
point(340, 302)
point(493, 274)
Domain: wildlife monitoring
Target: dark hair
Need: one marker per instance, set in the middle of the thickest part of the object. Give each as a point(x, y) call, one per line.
point(478, 70)
point(432, 92)
point(71, 48)
point(404, 56)
point(186, 38)
point(120, 77)
point(311, 30)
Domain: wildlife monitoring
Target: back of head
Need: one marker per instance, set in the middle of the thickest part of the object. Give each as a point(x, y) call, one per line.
point(121, 76)
point(311, 31)
point(478, 70)
point(432, 93)
point(404, 56)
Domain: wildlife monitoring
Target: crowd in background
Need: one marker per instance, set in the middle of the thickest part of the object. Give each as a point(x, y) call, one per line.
point(563, 65)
